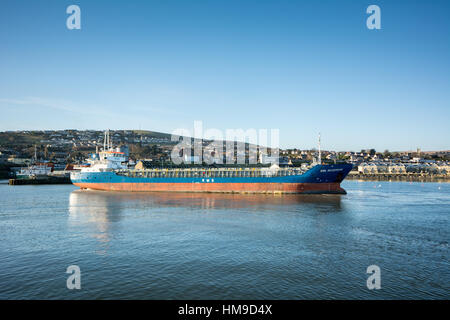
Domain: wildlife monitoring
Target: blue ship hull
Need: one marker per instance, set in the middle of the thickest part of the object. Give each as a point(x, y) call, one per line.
point(319, 179)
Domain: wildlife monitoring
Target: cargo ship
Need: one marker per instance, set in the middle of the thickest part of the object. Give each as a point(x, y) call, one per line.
point(109, 172)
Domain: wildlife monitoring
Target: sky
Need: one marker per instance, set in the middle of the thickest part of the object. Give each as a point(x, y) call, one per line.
point(302, 67)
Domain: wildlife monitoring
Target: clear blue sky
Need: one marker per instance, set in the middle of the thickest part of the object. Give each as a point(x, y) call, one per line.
point(300, 66)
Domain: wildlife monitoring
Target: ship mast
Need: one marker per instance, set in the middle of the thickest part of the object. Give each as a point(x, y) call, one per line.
point(107, 141)
point(320, 154)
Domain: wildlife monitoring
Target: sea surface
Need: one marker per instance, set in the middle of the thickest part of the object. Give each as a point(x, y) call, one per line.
point(226, 246)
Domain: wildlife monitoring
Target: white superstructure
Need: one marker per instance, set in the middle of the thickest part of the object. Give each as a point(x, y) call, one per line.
point(108, 159)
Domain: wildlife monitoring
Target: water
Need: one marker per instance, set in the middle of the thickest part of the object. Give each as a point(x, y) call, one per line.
point(218, 246)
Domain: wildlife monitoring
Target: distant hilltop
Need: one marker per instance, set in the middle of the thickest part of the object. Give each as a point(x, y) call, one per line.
point(70, 145)
point(74, 145)
point(87, 137)
point(63, 146)
point(95, 137)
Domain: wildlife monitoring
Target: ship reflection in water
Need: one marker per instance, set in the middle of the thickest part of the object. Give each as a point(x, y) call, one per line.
point(97, 211)
point(103, 207)
point(94, 213)
point(91, 199)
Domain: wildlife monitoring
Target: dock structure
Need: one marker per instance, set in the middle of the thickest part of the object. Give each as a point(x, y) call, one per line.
point(41, 180)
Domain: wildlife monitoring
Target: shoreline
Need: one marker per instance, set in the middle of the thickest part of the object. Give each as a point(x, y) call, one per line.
point(408, 177)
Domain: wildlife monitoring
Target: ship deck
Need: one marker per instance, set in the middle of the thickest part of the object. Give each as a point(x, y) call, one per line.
point(211, 172)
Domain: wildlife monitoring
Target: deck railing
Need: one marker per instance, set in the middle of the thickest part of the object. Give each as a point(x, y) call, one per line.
point(211, 173)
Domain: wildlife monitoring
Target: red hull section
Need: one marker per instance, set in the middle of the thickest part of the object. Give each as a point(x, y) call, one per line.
point(219, 187)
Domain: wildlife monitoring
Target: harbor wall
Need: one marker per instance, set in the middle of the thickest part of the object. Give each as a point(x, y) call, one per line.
point(407, 176)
